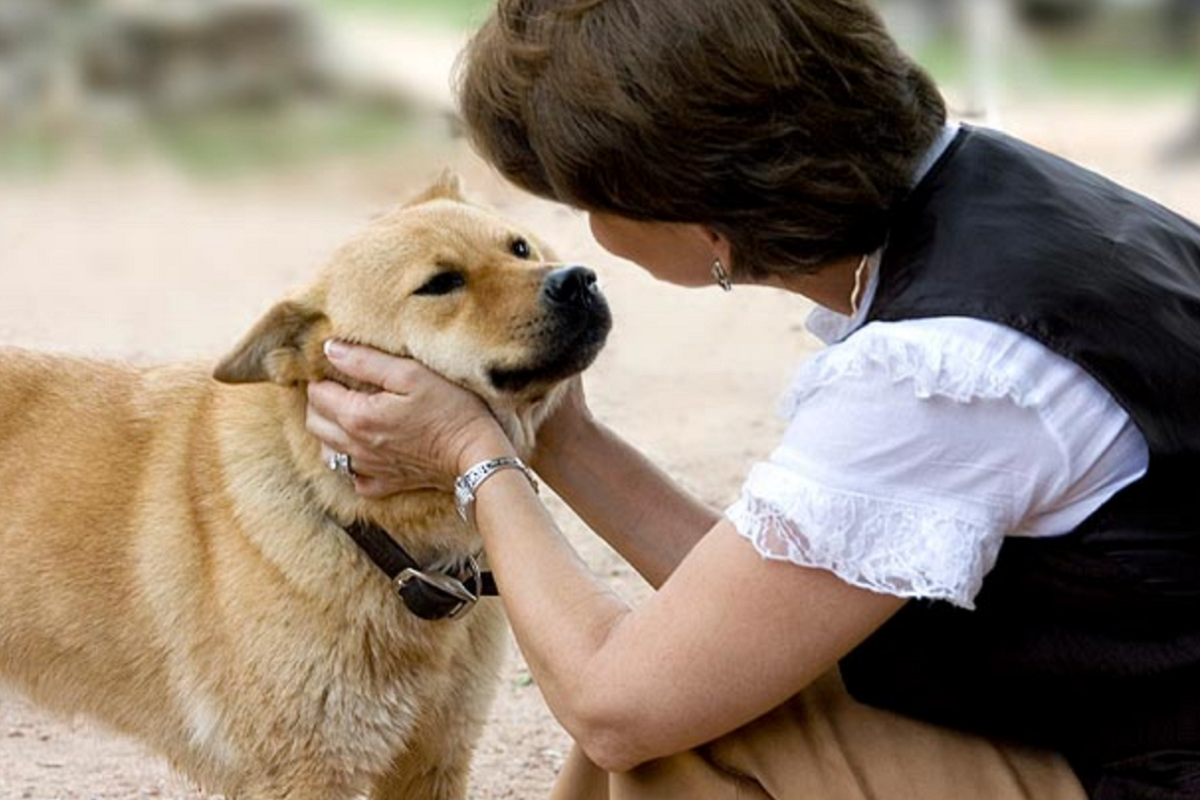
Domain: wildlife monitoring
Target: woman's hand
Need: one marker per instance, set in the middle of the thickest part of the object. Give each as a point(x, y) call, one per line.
point(419, 432)
point(561, 431)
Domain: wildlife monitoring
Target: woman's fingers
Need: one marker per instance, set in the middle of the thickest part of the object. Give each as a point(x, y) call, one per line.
point(375, 488)
point(321, 415)
point(342, 417)
point(372, 366)
point(379, 432)
point(321, 419)
point(332, 400)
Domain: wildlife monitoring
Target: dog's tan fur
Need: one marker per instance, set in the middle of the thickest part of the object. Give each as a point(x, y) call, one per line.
point(168, 563)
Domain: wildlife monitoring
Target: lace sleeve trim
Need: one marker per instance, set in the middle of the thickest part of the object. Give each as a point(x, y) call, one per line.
point(899, 548)
point(946, 368)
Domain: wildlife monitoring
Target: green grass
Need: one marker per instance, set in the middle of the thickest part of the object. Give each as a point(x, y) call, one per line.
point(1131, 75)
point(452, 13)
point(1080, 70)
point(28, 154)
point(227, 144)
point(232, 143)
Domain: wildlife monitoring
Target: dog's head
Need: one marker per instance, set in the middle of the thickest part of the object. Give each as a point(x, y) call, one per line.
point(452, 285)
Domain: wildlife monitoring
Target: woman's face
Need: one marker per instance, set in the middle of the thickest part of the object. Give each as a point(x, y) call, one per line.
point(683, 253)
point(679, 253)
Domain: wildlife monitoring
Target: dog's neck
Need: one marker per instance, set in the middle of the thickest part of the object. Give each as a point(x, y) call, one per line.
point(429, 508)
point(425, 523)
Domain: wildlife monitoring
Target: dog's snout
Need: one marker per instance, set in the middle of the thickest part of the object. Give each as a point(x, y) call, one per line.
point(570, 286)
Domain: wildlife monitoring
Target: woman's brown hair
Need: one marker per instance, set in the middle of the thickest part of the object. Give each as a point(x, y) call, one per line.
point(790, 126)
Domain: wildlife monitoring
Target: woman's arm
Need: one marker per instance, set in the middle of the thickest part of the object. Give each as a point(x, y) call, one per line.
point(632, 504)
point(728, 637)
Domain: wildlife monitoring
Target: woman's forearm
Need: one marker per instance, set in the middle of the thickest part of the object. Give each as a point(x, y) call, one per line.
point(632, 504)
point(560, 613)
point(580, 639)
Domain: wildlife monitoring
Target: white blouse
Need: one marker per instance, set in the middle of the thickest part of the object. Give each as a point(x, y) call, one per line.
point(915, 447)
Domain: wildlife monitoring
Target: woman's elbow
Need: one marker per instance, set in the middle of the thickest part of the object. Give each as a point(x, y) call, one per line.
point(608, 754)
point(614, 743)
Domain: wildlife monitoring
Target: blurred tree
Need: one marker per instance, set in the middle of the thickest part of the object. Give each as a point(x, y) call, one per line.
point(1183, 25)
point(1057, 14)
point(1184, 21)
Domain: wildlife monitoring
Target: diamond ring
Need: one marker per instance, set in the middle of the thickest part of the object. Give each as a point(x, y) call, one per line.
point(340, 463)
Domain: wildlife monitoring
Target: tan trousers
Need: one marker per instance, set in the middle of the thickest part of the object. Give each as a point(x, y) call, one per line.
point(823, 745)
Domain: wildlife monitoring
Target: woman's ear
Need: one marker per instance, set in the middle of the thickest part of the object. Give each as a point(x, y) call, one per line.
point(283, 347)
point(722, 248)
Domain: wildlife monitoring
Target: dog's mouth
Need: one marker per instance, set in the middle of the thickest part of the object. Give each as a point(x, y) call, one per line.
point(571, 343)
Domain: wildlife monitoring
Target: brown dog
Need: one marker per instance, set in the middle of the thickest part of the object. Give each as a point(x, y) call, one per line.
point(174, 555)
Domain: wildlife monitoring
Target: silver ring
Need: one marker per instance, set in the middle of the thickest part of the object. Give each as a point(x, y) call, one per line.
point(340, 463)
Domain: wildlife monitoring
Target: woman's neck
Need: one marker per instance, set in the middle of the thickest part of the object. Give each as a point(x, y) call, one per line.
point(833, 286)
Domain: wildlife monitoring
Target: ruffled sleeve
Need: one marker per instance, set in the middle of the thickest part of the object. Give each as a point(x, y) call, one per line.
point(908, 457)
point(881, 544)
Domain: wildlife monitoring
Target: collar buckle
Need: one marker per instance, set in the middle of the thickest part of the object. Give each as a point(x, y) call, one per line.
point(436, 594)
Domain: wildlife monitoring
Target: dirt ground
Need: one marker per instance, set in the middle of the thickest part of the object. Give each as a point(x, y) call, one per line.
point(143, 264)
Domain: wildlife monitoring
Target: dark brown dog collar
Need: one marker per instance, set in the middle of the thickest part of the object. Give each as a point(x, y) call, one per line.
point(430, 594)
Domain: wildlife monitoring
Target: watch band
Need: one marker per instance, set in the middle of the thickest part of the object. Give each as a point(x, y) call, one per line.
point(469, 482)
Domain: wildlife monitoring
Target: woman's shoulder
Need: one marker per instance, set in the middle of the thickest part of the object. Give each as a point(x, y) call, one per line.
point(959, 358)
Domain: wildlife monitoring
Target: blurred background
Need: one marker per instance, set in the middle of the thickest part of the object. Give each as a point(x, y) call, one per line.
point(170, 168)
point(167, 165)
point(220, 86)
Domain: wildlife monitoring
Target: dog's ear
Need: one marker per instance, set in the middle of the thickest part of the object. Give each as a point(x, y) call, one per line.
point(284, 348)
point(448, 186)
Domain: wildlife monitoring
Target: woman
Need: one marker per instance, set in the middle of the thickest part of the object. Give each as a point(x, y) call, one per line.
point(980, 507)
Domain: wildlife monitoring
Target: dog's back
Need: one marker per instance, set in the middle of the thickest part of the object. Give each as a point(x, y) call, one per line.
point(76, 436)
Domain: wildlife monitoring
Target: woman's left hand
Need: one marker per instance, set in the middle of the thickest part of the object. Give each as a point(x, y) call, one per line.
point(419, 432)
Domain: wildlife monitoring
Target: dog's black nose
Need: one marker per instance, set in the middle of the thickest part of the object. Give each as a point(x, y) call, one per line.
point(570, 286)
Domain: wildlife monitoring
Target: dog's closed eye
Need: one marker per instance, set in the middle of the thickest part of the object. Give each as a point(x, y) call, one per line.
point(442, 283)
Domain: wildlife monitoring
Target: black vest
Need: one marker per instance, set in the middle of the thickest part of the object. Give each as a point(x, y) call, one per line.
point(1088, 643)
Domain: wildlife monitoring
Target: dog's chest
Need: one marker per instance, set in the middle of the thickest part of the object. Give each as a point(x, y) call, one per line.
point(402, 679)
point(360, 697)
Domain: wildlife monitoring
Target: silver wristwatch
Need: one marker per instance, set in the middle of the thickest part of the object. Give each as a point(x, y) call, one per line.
point(467, 483)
